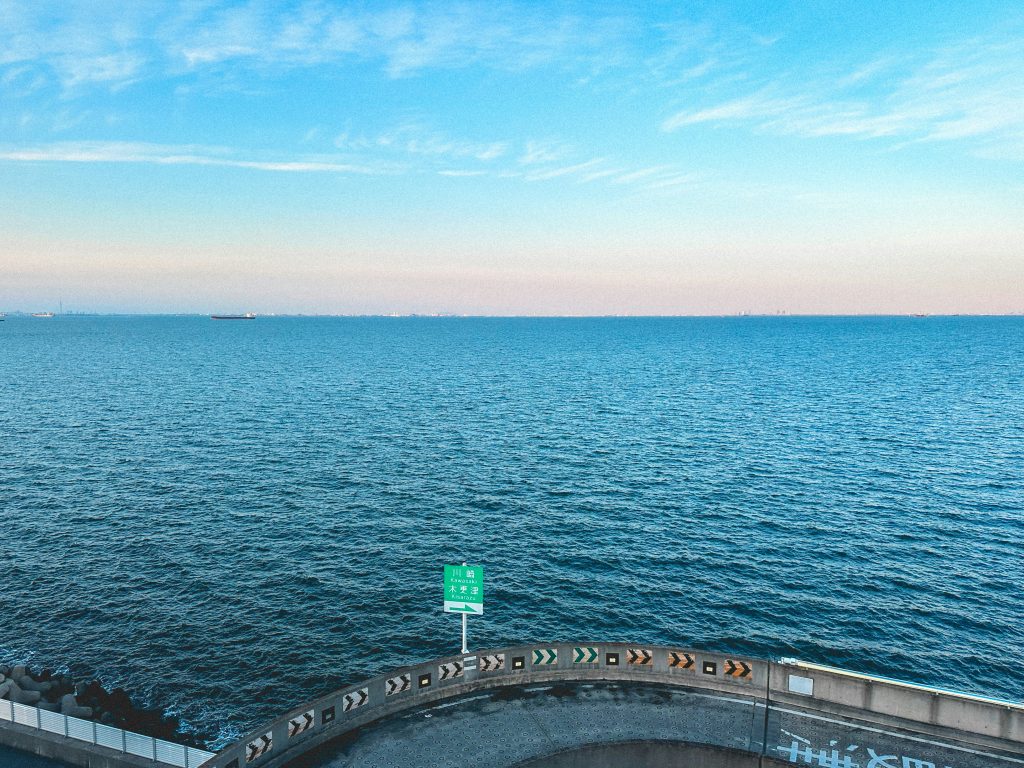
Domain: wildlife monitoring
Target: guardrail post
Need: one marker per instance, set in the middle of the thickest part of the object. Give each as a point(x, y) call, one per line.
point(65, 725)
point(154, 749)
point(124, 741)
point(93, 731)
point(39, 720)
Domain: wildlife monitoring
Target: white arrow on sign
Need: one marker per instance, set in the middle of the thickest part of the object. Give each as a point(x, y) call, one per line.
point(457, 606)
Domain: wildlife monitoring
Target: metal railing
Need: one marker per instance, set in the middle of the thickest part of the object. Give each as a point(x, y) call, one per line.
point(157, 750)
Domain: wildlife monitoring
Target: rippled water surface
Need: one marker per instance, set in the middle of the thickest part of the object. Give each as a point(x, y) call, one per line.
point(227, 518)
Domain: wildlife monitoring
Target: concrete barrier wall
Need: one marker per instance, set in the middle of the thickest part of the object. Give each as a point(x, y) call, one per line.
point(809, 687)
point(331, 716)
point(874, 699)
point(785, 693)
point(86, 742)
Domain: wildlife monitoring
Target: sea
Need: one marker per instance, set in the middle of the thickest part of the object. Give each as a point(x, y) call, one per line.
point(230, 518)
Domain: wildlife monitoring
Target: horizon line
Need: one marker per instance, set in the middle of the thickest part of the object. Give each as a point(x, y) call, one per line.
point(470, 316)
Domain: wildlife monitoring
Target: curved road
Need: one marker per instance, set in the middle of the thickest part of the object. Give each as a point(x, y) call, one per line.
point(512, 726)
point(508, 726)
point(565, 704)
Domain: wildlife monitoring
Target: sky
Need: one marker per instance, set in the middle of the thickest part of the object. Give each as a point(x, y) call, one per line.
point(541, 158)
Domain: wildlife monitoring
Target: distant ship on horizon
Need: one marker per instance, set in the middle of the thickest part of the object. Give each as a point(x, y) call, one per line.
point(246, 316)
point(42, 314)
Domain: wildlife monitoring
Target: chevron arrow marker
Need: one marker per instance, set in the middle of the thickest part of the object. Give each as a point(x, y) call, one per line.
point(447, 671)
point(680, 660)
point(259, 747)
point(639, 656)
point(584, 655)
point(737, 668)
point(492, 663)
point(356, 699)
point(398, 684)
point(545, 655)
point(299, 724)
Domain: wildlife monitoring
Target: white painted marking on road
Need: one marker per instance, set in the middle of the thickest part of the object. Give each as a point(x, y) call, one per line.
point(848, 724)
point(725, 698)
point(457, 702)
point(793, 735)
point(747, 702)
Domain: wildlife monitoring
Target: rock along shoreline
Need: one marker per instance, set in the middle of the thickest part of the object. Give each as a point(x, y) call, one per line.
point(56, 692)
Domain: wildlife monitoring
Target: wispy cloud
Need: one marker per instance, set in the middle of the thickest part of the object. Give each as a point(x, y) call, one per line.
point(422, 149)
point(869, 71)
point(413, 138)
point(157, 154)
point(642, 173)
point(564, 170)
point(544, 152)
point(756, 105)
point(107, 43)
point(117, 69)
point(970, 90)
point(654, 177)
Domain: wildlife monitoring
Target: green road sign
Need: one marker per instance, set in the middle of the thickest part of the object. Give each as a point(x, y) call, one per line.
point(464, 589)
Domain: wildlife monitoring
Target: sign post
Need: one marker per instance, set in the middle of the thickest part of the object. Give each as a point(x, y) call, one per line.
point(464, 593)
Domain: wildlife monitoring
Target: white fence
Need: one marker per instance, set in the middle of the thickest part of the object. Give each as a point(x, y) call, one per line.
point(91, 732)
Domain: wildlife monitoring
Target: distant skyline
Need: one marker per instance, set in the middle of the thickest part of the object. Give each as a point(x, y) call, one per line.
point(500, 158)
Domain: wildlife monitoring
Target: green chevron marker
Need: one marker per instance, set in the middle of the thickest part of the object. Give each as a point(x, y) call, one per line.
point(584, 655)
point(545, 655)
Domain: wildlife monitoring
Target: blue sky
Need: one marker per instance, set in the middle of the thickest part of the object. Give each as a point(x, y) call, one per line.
point(492, 158)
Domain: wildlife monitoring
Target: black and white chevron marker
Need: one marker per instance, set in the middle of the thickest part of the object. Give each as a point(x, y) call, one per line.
point(545, 656)
point(399, 684)
point(680, 660)
point(737, 668)
point(259, 746)
point(448, 671)
point(355, 699)
point(639, 656)
point(300, 723)
point(492, 663)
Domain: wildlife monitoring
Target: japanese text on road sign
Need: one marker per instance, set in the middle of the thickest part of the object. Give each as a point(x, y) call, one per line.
point(464, 589)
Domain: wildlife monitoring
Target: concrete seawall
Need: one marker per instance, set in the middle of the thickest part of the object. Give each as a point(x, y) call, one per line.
point(87, 743)
point(740, 711)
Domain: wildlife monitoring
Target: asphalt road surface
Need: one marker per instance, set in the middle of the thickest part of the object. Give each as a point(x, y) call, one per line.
point(508, 726)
